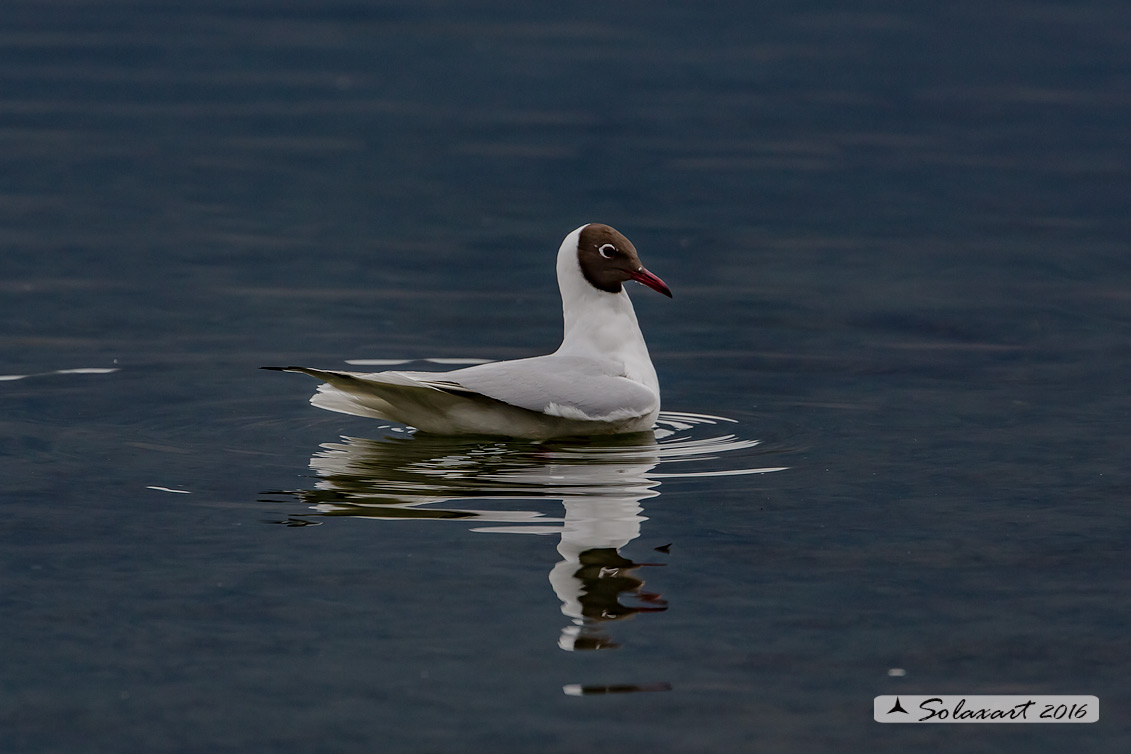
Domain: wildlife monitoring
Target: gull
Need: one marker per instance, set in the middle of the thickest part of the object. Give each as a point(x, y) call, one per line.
point(600, 381)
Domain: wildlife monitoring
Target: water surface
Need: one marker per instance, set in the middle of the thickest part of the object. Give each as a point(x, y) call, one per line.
point(897, 238)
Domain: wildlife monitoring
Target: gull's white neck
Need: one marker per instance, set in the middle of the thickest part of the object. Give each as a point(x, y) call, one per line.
point(599, 324)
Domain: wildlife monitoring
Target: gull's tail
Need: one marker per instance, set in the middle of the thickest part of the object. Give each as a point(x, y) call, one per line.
point(419, 399)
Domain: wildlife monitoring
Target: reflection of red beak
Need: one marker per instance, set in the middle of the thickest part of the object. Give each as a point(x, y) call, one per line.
point(647, 278)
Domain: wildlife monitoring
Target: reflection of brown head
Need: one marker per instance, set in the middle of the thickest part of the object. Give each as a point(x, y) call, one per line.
point(605, 575)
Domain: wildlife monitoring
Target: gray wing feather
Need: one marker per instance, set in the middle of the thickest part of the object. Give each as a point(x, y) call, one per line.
point(568, 386)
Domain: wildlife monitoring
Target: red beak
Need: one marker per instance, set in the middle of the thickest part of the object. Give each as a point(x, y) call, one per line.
point(647, 278)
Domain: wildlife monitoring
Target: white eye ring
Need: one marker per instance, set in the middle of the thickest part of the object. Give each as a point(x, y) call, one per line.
point(607, 250)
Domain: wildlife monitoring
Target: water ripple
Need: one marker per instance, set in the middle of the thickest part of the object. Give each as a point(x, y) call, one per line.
point(80, 370)
point(407, 475)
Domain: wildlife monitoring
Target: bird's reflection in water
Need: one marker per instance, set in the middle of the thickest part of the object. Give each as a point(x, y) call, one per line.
point(601, 483)
point(493, 484)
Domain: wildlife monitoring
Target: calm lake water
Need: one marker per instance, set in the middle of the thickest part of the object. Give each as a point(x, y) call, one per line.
point(895, 371)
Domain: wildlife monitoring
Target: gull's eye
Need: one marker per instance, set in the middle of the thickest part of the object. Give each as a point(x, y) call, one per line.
point(607, 251)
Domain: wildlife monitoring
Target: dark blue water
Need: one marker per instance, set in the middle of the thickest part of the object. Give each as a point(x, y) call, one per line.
point(898, 241)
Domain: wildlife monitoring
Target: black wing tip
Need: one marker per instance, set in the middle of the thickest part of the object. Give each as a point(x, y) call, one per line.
point(279, 369)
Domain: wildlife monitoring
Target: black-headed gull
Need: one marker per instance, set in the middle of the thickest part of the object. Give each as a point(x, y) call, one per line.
point(600, 381)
